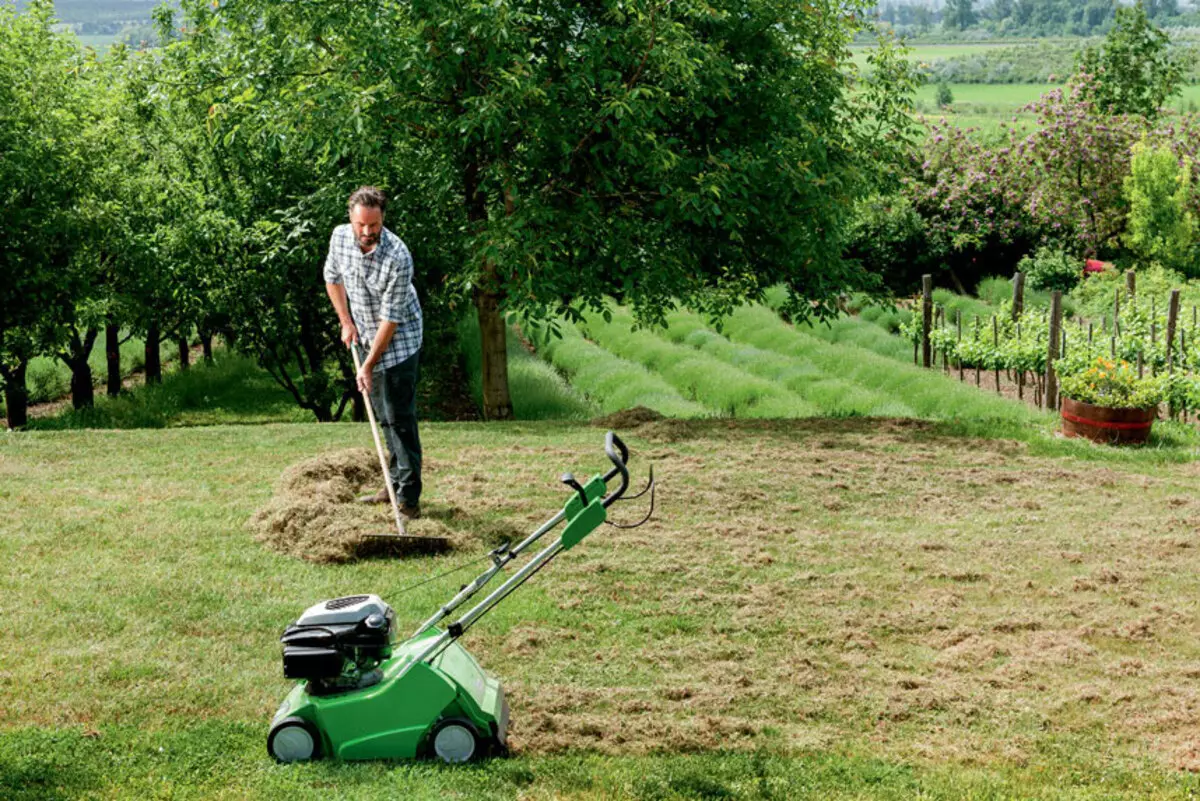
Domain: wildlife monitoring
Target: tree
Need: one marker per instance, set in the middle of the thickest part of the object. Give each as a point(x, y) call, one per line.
point(959, 15)
point(40, 117)
point(1134, 68)
point(1162, 227)
point(555, 155)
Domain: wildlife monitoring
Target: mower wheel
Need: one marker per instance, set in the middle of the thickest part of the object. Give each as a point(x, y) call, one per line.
point(294, 740)
point(454, 741)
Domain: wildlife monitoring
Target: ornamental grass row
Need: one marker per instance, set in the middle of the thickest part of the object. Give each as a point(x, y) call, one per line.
point(613, 383)
point(731, 391)
point(830, 394)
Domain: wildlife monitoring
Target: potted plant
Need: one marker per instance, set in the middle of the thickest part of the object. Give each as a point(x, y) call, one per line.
point(1105, 400)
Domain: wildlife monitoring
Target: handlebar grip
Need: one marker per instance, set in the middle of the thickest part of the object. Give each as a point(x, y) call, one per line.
point(611, 440)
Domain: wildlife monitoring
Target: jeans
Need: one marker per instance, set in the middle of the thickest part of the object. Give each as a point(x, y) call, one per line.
point(394, 399)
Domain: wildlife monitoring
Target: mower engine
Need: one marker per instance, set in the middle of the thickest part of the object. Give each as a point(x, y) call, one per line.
point(338, 645)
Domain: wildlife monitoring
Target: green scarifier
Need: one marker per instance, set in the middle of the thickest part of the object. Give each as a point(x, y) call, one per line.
point(362, 695)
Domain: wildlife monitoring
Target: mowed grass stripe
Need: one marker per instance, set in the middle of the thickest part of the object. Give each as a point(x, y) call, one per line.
point(928, 393)
point(834, 396)
point(700, 376)
point(613, 383)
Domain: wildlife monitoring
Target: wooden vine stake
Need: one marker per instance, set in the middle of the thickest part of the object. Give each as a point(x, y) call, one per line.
point(996, 345)
point(1172, 321)
point(1018, 302)
point(958, 323)
point(927, 318)
point(1052, 349)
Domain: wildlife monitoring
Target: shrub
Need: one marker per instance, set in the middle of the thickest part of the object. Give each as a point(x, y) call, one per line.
point(944, 96)
point(1107, 382)
point(1051, 268)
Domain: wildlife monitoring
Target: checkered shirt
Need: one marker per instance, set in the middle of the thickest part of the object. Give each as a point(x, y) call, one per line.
point(378, 286)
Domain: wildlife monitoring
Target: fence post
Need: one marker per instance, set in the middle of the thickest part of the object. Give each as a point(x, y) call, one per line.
point(926, 317)
point(1018, 302)
point(996, 346)
point(1172, 322)
point(1131, 285)
point(1052, 351)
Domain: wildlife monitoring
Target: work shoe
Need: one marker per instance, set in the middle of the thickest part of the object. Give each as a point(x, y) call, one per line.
point(379, 497)
point(410, 512)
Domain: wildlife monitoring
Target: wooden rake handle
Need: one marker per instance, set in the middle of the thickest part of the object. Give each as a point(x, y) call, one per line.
point(387, 478)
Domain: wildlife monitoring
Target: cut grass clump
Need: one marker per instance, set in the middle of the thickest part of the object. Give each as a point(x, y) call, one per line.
point(717, 384)
point(612, 383)
point(537, 390)
point(829, 394)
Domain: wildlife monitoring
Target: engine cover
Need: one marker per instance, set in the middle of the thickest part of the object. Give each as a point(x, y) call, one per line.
point(351, 609)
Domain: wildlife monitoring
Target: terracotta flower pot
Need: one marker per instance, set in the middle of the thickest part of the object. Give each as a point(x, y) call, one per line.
point(1102, 424)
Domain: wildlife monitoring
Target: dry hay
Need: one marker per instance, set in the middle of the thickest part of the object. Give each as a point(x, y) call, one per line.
point(314, 514)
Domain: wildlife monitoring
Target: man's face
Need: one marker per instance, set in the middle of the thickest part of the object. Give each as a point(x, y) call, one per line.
point(367, 223)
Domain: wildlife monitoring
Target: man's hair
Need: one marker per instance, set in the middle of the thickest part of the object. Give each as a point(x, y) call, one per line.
point(368, 196)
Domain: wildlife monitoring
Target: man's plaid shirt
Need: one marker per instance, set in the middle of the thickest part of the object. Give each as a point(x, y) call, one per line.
point(378, 286)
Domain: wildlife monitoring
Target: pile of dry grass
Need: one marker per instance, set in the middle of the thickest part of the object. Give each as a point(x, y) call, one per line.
point(314, 516)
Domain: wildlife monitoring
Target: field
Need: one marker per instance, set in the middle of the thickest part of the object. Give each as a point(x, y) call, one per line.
point(822, 609)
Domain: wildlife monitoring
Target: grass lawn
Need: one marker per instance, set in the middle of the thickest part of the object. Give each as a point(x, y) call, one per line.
point(820, 609)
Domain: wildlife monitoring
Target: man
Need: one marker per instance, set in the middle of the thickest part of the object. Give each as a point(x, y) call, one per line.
point(368, 275)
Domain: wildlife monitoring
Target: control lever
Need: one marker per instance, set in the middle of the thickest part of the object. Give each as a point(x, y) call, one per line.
point(569, 480)
point(499, 552)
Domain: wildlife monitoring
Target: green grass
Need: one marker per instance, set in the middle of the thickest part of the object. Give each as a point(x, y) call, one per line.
point(613, 383)
point(822, 609)
point(537, 390)
point(233, 389)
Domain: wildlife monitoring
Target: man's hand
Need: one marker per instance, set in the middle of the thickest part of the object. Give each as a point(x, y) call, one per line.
point(349, 334)
point(364, 378)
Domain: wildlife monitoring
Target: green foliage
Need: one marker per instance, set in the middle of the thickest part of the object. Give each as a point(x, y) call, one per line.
point(959, 14)
point(1051, 268)
point(1113, 383)
point(44, 166)
point(889, 239)
point(1135, 69)
point(1162, 227)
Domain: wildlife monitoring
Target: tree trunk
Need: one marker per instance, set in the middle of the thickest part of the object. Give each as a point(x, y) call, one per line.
point(16, 394)
point(206, 339)
point(153, 362)
point(83, 390)
point(497, 404)
point(185, 354)
point(83, 394)
point(112, 353)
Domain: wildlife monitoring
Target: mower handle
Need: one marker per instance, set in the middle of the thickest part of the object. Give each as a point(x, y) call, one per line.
point(611, 439)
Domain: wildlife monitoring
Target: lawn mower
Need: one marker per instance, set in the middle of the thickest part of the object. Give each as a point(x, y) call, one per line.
point(362, 694)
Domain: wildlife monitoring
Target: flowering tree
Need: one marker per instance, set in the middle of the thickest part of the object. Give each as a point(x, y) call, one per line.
point(1059, 181)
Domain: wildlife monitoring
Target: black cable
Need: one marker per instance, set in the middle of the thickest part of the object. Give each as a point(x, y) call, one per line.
point(511, 590)
point(644, 519)
point(463, 566)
